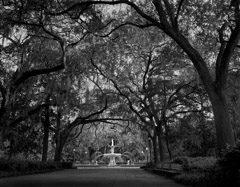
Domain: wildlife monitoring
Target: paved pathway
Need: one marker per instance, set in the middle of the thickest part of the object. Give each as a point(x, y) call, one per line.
point(91, 177)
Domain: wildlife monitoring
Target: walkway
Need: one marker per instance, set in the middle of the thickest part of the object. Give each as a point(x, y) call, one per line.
point(91, 177)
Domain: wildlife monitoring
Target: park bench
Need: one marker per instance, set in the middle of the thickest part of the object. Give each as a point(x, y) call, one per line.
point(168, 169)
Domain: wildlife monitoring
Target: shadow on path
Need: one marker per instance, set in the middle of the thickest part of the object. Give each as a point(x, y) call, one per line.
point(94, 177)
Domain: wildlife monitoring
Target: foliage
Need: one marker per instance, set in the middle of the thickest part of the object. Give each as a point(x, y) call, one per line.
point(191, 179)
point(20, 167)
point(196, 134)
point(25, 139)
point(211, 178)
point(209, 171)
point(195, 164)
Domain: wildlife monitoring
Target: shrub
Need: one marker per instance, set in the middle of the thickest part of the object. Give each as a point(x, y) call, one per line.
point(183, 160)
point(208, 172)
point(192, 179)
point(196, 164)
point(17, 167)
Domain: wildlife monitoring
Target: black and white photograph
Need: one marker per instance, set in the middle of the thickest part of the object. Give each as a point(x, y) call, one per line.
point(119, 93)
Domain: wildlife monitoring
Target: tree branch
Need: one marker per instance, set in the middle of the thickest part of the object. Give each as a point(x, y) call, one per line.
point(82, 120)
point(29, 113)
point(178, 11)
point(127, 23)
point(119, 91)
point(224, 57)
point(26, 75)
point(89, 3)
point(169, 8)
point(147, 70)
point(162, 14)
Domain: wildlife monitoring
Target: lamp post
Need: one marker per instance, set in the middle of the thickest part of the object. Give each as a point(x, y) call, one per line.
point(86, 157)
point(143, 156)
point(74, 155)
point(150, 146)
point(147, 153)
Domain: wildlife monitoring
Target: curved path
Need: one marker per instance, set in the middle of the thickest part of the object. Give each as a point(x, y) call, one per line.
point(91, 177)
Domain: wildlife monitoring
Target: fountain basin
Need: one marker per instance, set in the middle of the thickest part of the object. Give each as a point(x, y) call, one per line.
point(112, 157)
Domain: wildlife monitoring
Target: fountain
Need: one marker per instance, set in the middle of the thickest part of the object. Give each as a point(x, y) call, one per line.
point(112, 155)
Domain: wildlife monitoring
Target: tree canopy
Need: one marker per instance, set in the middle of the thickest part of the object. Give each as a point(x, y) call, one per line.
point(162, 66)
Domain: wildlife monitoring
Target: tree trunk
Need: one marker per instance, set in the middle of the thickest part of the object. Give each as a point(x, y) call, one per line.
point(150, 149)
point(2, 133)
point(11, 150)
point(58, 152)
point(4, 123)
point(58, 139)
point(235, 125)
point(46, 123)
point(224, 131)
point(155, 149)
point(167, 141)
point(160, 143)
point(45, 142)
point(59, 147)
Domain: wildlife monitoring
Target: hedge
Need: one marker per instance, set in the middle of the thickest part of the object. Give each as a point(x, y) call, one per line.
point(19, 167)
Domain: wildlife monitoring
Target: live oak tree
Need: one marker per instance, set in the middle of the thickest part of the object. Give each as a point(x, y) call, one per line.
point(32, 44)
point(170, 17)
point(16, 88)
point(18, 64)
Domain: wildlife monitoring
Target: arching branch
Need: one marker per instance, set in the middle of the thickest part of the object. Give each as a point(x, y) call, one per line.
point(28, 74)
point(86, 4)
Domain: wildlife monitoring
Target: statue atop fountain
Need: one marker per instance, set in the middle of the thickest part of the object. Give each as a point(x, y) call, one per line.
point(112, 146)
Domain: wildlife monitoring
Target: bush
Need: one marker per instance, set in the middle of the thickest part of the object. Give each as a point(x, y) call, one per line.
point(183, 160)
point(191, 179)
point(195, 164)
point(17, 167)
point(210, 172)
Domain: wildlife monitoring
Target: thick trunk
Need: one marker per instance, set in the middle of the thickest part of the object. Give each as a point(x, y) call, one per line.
point(160, 143)
point(167, 142)
point(58, 152)
point(59, 142)
point(224, 131)
point(46, 123)
point(155, 149)
point(235, 125)
point(11, 150)
point(4, 121)
point(45, 142)
point(150, 149)
point(1, 136)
